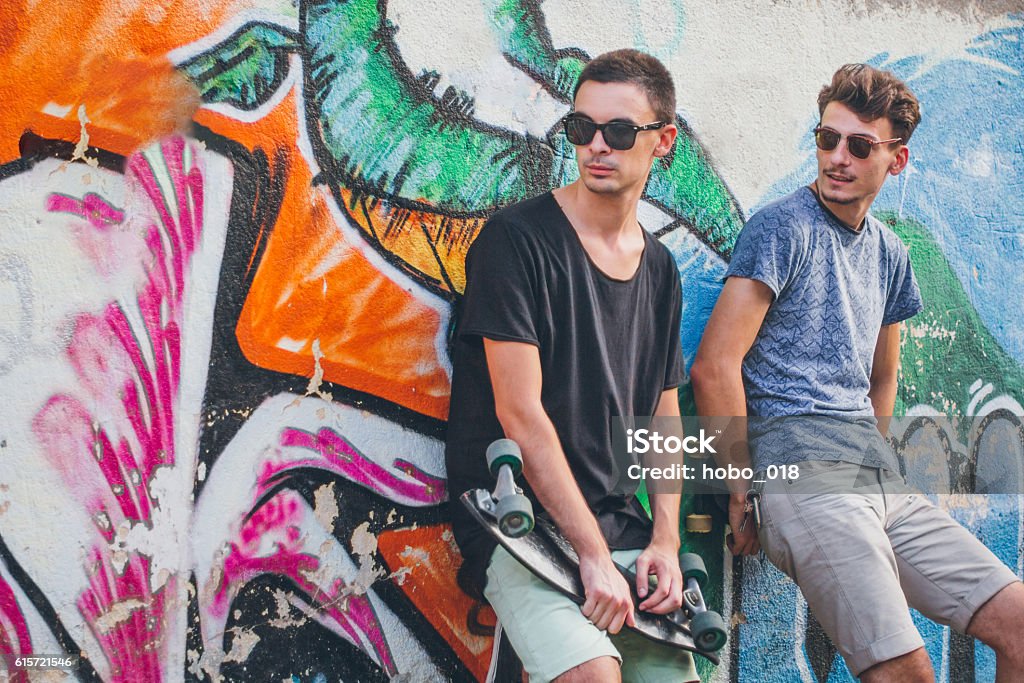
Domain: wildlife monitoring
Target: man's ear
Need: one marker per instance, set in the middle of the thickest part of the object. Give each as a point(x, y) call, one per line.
point(666, 140)
point(901, 161)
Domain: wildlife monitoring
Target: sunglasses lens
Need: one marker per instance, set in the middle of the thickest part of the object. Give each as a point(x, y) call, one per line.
point(826, 139)
point(858, 147)
point(619, 135)
point(579, 131)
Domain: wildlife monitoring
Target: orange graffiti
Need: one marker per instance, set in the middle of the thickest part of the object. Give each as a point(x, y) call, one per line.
point(111, 57)
point(431, 244)
point(429, 555)
point(314, 284)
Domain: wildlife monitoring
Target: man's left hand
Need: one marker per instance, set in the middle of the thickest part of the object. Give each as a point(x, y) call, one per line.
point(663, 562)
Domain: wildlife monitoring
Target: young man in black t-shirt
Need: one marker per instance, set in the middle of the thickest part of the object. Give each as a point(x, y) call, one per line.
point(571, 317)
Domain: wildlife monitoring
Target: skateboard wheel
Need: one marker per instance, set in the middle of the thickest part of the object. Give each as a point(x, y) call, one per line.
point(698, 524)
point(504, 452)
point(708, 629)
point(693, 567)
point(515, 515)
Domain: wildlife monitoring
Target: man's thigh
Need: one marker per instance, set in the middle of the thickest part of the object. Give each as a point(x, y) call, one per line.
point(946, 573)
point(832, 543)
point(550, 634)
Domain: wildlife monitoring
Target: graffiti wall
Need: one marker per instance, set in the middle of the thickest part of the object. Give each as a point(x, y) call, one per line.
point(231, 238)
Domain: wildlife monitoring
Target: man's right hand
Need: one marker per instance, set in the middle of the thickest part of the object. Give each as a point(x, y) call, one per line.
point(609, 603)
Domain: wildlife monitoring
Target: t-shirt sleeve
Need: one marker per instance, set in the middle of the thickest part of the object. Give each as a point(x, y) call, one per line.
point(500, 300)
point(674, 366)
point(904, 297)
point(766, 251)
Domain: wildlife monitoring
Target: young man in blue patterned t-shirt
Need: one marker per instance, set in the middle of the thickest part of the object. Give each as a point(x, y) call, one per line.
point(805, 340)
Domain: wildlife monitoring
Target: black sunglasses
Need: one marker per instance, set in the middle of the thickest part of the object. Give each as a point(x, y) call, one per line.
point(617, 134)
point(859, 146)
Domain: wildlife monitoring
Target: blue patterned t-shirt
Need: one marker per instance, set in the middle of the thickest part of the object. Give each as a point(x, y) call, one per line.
point(834, 289)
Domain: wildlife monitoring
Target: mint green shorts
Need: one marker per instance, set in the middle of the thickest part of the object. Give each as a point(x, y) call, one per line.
point(550, 634)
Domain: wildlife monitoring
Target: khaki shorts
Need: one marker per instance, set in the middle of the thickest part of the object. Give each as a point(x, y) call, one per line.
point(550, 634)
point(862, 546)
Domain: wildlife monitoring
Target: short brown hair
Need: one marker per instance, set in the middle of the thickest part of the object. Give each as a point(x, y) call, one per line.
point(639, 69)
point(871, 94)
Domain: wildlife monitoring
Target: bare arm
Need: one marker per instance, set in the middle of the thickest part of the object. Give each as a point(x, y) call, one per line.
point(884, 370)
point(661, 557)
point(718, 384)
point(515, 372)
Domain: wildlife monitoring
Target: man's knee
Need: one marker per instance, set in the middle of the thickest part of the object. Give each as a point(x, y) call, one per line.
point(913, 667)
point(597, 669)
point(999, 623)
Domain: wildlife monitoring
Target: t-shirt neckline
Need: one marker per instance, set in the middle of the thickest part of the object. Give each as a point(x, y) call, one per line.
point(567, 224)
point(834, 218)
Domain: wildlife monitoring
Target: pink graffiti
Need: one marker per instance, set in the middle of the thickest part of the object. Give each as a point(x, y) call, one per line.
point(14, 635)
point(108, 249)
point(338, 455)
point(92, 207)
point(125, 616)
point(278, 521)
point(107, 440)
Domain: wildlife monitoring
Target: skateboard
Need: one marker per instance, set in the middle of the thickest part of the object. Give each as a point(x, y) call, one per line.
point(507, 515)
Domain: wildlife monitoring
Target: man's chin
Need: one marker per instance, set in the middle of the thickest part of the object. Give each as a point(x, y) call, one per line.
point(602, 186)
point(837, 199)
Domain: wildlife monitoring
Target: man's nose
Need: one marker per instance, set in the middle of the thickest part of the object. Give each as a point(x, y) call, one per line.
point(840, 156)
point(598, 145)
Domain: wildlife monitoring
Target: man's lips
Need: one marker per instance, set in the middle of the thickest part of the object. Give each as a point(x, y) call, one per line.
point(598, 169)
point(838, 177)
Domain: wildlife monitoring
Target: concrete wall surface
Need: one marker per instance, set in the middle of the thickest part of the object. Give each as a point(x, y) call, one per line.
point(231, 236)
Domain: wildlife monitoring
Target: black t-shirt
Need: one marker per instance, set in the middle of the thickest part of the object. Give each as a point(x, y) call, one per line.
point(608, 348)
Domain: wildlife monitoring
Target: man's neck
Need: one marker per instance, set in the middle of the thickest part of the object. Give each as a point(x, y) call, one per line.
point(605, 216)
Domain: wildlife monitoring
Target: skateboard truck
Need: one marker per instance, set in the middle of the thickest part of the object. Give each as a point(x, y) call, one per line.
point(507, 503)
point(707, 627)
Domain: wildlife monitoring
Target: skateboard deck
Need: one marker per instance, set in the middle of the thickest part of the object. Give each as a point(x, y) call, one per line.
point(552, 559)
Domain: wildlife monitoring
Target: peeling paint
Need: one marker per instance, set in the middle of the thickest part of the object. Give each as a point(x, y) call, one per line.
point(118, 613)
point(364, 546)
point(83, 140)
point(242, 644)
point(363, 542)
point(325, 505)
point(315, 382)
point(418, 554)
point(284, 619)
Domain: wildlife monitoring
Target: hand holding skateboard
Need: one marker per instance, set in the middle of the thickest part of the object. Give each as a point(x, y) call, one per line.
point(507, 515)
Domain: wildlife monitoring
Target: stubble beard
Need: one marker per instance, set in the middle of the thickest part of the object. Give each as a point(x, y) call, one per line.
point(841, 200)
point(598, 187)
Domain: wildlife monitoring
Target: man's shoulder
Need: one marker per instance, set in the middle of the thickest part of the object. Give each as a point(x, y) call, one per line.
point(791, 212)
point(663, 259)
point(787, 219)
point(526, 216)
point(888, 239)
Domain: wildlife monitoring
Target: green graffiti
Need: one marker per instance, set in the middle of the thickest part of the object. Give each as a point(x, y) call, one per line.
point(246, 69)
point(686, 185)
point(386, 133)
point(526, 44)
point(947, 346)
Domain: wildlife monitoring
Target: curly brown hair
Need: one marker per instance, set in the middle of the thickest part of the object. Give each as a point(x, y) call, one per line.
point(871, 94)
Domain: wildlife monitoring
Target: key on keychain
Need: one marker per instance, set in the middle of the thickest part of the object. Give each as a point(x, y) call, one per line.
point(752, 507)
